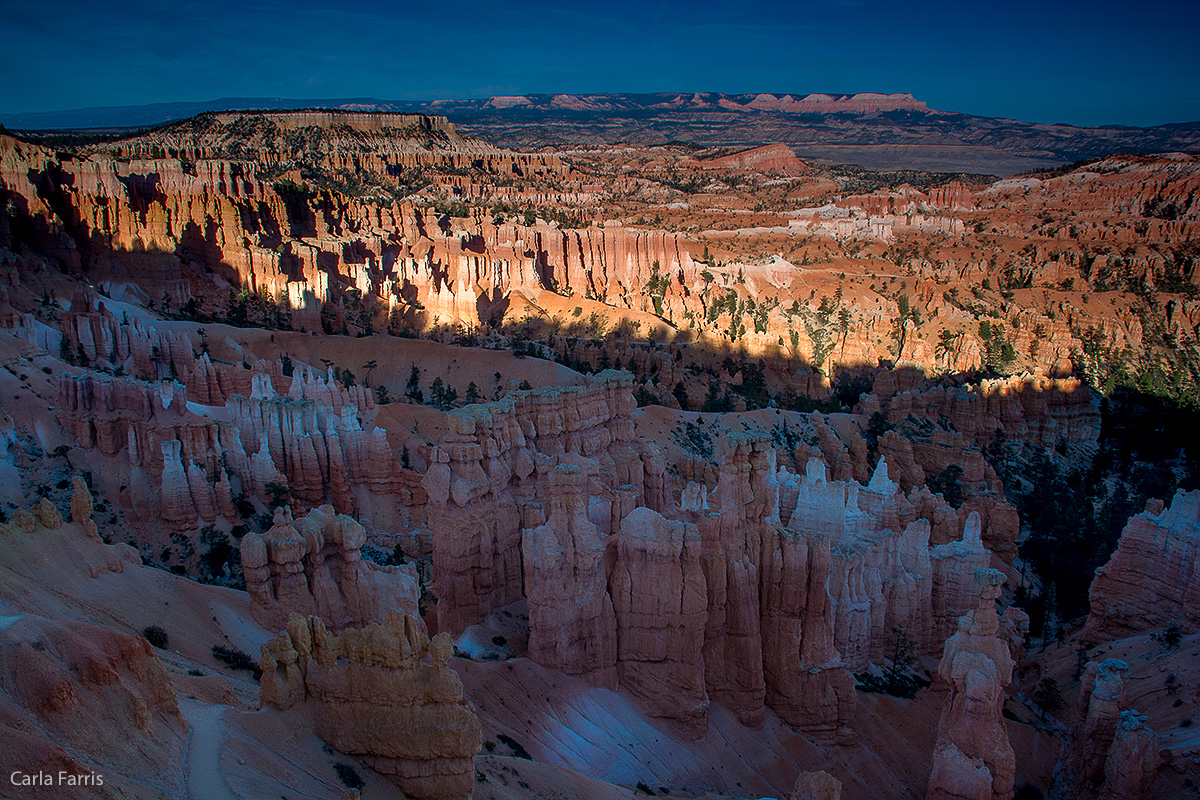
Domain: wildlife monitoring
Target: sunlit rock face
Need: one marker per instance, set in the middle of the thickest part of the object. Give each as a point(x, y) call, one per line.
point(179, 313)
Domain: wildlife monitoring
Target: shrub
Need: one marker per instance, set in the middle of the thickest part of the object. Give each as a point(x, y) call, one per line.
point(947, 485)
point(236, 659)
point(645, 397)
point(1172, 637)
point(156, 636)
point(349, 776)
point(517, 750)
point(1048, 696)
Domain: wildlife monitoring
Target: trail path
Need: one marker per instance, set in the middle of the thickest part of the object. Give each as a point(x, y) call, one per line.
point(206, 737)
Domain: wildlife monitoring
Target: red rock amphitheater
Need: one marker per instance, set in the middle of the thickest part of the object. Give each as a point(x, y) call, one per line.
point(340, 451)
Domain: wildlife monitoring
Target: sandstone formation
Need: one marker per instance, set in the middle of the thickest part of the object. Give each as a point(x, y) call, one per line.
point(312, 566)
point(81, 508)
point(769, 590)
point(303, 433)
point(1112, 753)
point(954, 569)
point(1040, 411)
point(385, 693)
point(773, 159)
point(731, 522)
point(973, 758)
point(179, 310)
point(165, 209)
point(1151, 582)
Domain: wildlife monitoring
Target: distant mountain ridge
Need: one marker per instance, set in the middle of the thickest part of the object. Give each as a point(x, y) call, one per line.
point(884, 131)
point(158, 113)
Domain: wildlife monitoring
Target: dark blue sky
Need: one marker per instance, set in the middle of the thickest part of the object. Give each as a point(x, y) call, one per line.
point(1078, 62)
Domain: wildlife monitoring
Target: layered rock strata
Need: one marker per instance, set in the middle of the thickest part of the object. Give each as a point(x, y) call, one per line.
point(769, 590)
point(1112, 753)
point(1102, 698)
point(153, 221)
point(1152, 580)
point(1132, 761)
point(1032, 410)
point(186, 464)
point(786, 583)
point(732, 524)
point(572, 625)
point(384, 693)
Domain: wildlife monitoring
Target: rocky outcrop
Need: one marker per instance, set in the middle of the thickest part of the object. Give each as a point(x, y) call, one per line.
point(350, 262)
point(384, 693)
point(100, 411)
point(1000, 524)
point(81, 508)
point(787, 583)
point(731, 531)
point(661, 604)
point(774, 159)
point(185, 462)
point(313, 441)
point(171, 213)
point(178, 507)
point(1030, 410)
point(67, 686)
point(313, 566)
point(821, 700)
point(954, 570)
point(1152, 580)
point(973, 758)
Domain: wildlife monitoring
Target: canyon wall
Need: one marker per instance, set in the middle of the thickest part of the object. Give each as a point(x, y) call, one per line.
point(1152, 581)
